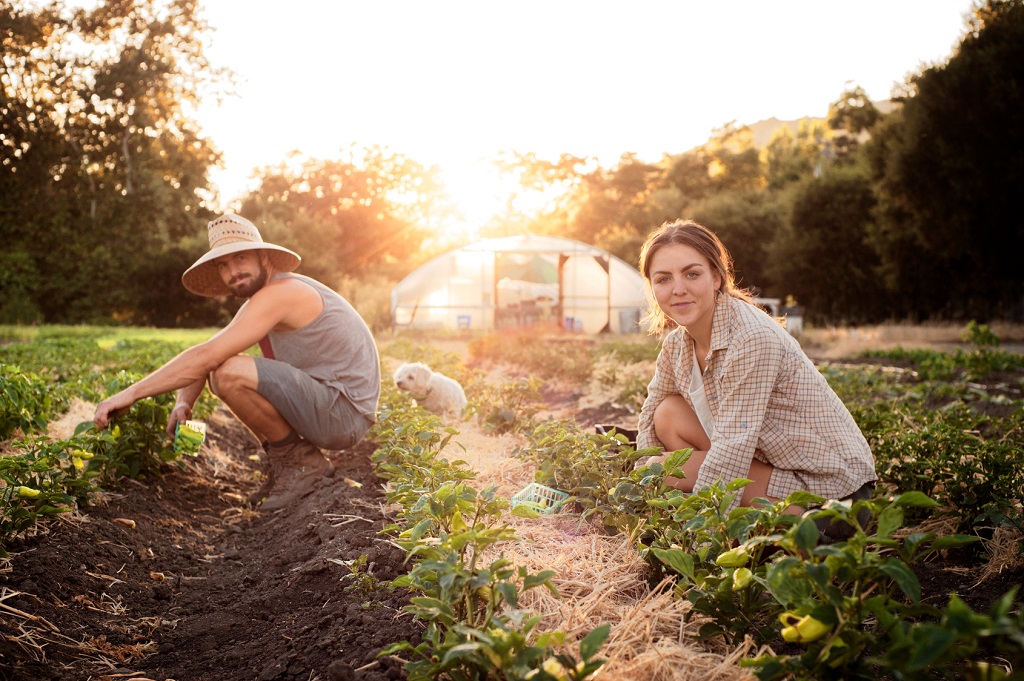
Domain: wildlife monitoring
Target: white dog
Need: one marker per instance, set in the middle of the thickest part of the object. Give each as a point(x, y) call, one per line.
point(434, 392)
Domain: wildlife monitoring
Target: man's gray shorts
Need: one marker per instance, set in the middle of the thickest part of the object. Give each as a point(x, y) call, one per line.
point(321, 414)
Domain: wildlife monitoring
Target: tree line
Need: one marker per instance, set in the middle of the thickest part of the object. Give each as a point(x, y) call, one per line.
point(907, 211)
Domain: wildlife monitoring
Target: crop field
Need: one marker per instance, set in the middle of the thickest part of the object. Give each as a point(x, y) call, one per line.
point(121, 558)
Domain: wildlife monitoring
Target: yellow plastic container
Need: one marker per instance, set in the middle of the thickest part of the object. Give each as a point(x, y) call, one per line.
point(189, 436)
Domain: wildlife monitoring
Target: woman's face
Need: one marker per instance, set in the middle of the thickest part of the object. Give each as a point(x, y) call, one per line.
point(684, 284)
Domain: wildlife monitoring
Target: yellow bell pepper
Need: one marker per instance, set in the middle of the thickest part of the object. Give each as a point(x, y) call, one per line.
point(797, 629)
point(555, 668)
point(737, 557)
point(742, 578)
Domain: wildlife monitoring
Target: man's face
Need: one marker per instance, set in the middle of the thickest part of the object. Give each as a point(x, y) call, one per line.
point(243, 272)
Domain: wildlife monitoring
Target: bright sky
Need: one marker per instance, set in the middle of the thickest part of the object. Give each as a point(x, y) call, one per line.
point(454, 83)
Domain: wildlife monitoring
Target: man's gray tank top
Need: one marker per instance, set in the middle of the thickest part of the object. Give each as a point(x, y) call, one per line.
point(336, 349)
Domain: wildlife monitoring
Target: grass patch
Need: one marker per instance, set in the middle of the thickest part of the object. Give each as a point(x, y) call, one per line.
point(106, 336)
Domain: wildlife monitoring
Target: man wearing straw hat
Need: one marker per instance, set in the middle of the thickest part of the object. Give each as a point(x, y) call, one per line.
point(317, 383)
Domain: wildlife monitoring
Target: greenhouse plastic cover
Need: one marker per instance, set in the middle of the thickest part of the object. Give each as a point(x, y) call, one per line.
point(522, 281)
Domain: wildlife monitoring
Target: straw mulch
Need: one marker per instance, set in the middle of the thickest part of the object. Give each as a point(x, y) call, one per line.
point(600, 579)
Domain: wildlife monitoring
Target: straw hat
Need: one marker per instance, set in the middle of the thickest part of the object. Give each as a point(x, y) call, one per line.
point(232, 233)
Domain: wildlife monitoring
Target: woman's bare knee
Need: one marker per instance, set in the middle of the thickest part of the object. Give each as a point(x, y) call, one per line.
point(677, 427)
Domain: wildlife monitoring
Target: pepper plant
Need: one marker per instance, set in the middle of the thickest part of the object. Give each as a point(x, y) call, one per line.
point(26, 402)
point(467, 596)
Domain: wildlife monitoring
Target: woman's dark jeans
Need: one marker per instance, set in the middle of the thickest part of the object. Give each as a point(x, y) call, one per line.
point(831, 530)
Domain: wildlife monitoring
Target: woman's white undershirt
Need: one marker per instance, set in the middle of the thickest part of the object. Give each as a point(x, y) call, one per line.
point(699, 398)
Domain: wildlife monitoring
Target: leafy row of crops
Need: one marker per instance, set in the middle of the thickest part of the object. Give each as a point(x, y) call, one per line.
point(946, 449)
point(475, 628)
point(43, 477)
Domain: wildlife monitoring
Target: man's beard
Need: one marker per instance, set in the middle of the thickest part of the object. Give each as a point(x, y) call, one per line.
point(246, 288)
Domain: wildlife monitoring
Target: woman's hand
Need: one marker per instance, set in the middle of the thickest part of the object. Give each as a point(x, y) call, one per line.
point(647, 461)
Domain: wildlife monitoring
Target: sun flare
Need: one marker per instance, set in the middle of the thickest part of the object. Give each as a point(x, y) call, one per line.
point(485, 197)
point(480, 193)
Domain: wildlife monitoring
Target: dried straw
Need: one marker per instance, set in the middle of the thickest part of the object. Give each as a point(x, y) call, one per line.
point(600, 579)
point(78, 411)
point(489, 456)
point(1004, 552)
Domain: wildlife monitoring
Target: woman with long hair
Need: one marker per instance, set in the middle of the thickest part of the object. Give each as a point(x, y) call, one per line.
point(735, 387)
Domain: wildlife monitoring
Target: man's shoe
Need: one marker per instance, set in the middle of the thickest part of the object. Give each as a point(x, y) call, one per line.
point(273, 469)
point(295, 469)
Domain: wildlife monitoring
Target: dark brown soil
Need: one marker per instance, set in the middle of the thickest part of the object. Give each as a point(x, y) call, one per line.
point(201, 588)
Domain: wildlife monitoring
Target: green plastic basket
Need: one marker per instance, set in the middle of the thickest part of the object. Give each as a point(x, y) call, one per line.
point(189, 436)
point(541, 497)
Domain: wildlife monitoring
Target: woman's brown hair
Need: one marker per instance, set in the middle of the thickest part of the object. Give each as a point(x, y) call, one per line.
point(699, 238)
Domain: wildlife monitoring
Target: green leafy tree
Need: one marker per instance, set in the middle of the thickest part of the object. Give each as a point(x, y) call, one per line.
point(539, 174)
point(821, 256)
point(546, 194)
point(853, 112)
point(614, 209)
point(688, 174)
point(31, 146)
point(734, 161)
point(850, 116)
point(369, 209)
point(791, 157)
point(746, 221)
point(100, 156)
point(949, 168)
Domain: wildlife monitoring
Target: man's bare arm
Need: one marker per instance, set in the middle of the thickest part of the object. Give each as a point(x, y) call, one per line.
point(269, 307)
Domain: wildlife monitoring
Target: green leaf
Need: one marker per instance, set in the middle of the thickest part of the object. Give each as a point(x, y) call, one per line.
point(84, 427)
point(738, 483)
point(952, 541)
point(46, 509)
point(509, 592)
point(903, 576)
point(420, 529)
point(930, 646)
point(526, 511)
point(432, 608)
point(395, 648)
point(593, 641)
point(889, 520)
point(677, 559)
point(551, 639)
point(806, 535)
point(804, 499)
point(820, 573)
point(460, 651)
point(538, 579)
point(912, 541)
point(710, 630)
point(673, 462)
point(459, 541)
point(916, 499)
point(786, 582)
